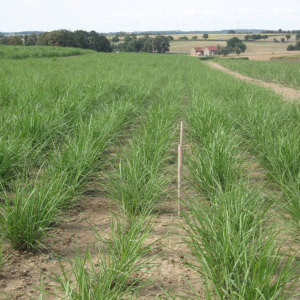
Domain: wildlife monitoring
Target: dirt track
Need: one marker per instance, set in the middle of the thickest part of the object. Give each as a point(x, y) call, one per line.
point(286, 92)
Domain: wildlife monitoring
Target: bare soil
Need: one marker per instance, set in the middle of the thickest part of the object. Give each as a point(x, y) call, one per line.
point(22, 273)
point(286, 92)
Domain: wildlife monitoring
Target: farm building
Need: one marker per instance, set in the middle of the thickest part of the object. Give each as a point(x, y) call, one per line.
point(204, 51)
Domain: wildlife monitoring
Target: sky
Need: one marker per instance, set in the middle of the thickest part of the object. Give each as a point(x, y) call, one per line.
point(140, 15)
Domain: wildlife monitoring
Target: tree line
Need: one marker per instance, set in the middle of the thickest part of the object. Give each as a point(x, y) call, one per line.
point(131, 43)
point(233, 45)
point(91, 40)
point(62, 38)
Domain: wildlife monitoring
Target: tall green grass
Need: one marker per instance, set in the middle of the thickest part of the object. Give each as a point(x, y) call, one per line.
point(111, 274)
point(234, 249)
point(234, 246)
point(19, 52)
point(140, 177)
point(214, 163)
point(285, 73)
point(27, 216)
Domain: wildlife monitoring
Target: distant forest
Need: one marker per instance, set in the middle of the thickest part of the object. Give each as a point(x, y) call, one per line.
point(61, 38)
point(90, 40)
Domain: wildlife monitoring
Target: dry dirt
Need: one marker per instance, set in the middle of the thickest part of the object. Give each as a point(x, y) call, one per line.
point(20, 278)
point(286, 92)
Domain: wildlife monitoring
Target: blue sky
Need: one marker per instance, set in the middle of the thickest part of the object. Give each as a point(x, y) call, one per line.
point(134, 15)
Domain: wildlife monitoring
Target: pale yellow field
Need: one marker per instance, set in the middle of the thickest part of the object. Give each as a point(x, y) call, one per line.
point(260, 50)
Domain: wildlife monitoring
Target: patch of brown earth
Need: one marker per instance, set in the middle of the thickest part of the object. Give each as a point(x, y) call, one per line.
point(286, 92)
point(22, 272)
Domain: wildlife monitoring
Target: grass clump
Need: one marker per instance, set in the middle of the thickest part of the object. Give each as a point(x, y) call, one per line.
point(20, 52)
point(235, 250)
point(139, 181)
point(30, 212)
point(214, 164)
point(112, 274)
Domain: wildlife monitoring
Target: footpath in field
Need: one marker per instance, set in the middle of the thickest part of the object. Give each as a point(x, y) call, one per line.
point(286, 92)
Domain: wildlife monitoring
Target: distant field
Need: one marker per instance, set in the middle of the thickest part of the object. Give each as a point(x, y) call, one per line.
point(225, 37)
point(287, 58)
point(260, 50)
point(18, 52)
point(285, 73)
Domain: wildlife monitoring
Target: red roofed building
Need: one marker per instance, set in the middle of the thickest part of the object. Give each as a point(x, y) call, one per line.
point(204, 51)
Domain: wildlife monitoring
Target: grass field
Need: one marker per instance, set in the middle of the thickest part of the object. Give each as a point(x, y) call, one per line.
point(282, 72)
point(107, 125)
point(18, 52)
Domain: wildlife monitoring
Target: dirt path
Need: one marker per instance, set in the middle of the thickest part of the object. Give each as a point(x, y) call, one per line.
point(286, 92)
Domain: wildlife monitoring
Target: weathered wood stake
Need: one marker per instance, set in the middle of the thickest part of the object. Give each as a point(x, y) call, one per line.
point(180, 167)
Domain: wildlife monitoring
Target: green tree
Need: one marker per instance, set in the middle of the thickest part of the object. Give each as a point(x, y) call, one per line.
point(205, 36)
point(115, 39)
point(42, 39)
point(4, 40)
point(183, 38)
point(32, 39)
point(298, 35)
point(247, 37)
point(239, 48)
point(232, 42)
point(195, 37)
point(25, 39)
point(81, 39)
point(288, 36)
point(231, 31)
point(161, 44)
point(282, 40)
point(16, 40)
point(170, 38)
point(99, 42)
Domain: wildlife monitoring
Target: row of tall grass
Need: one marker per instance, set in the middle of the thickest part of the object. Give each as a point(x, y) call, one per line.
point(267, 126)
point(20, 52)
point(65, 131)
point(229, 231)
point(42, 101)
point(282, 72)
point(137, 180)
point(27, 215)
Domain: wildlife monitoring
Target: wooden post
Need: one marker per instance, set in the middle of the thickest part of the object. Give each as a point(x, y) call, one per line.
point(180, 166)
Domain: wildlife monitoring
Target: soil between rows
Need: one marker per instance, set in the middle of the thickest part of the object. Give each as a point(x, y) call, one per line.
point(23, 272)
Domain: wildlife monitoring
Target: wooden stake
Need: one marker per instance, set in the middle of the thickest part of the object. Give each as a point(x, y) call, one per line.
point(180, 167)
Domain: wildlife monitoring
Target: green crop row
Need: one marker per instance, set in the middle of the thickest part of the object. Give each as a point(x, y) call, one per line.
point(20, 52)
point(285, 73)
point(228, 234)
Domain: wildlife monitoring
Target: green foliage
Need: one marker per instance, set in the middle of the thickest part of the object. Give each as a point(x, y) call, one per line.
point(237, 255)
point(15, 40)
point(112, 275)
point(139, 180)
point(205, 36)
point(159, 44)
point(294, 48)
point(286, 73)
point(32, 39)
point(80, 39)
point(183, 38)
point(17, 52)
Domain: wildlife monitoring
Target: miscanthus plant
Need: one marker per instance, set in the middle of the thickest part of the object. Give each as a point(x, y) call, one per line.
point(27, 215)
point(111, 272)
point(139, 179)
point(214, 163)
point(234, 249)
point(233, 245)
